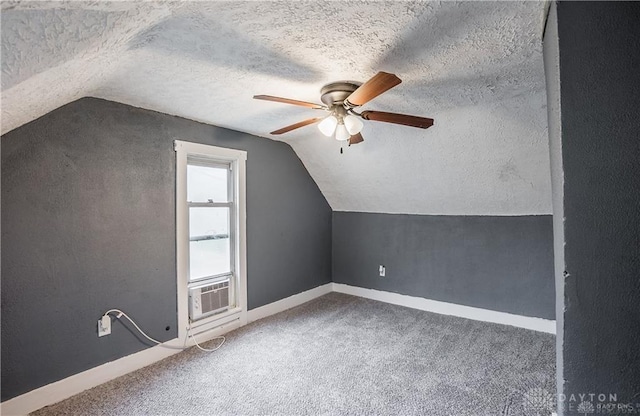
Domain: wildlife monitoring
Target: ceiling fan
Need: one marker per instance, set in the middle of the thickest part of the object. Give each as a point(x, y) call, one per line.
point(340, 99)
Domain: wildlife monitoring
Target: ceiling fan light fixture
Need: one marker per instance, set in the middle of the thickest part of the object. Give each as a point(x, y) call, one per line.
point(342, 133)
point(328, 125)
point(340, 100)
point(353, 124)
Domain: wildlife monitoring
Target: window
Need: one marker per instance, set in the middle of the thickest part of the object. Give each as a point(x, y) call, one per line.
point(211, 209)
point(210, 236)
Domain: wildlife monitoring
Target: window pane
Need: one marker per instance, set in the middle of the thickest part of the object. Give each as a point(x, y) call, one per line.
point(209, 245)
point(207, 183)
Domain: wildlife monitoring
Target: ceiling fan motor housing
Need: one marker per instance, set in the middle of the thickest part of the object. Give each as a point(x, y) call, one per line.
point(334, 94)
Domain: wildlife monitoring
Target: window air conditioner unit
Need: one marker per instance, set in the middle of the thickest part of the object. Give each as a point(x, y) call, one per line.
point(208, 299)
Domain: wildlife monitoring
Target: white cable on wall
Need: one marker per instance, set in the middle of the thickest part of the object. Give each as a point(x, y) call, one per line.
point(121, 314)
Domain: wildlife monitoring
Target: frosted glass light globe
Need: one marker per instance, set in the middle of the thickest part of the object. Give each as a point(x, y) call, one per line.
point(328, 125)
point(342, 133)
point(353, 124)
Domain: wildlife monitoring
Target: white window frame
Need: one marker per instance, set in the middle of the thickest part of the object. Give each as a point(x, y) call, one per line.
point(237, 159)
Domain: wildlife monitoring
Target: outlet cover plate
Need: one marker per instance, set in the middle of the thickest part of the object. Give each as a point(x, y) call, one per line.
point(104, 327)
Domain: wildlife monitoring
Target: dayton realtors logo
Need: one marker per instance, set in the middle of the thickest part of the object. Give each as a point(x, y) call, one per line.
point(596, 403)
point(541, 402)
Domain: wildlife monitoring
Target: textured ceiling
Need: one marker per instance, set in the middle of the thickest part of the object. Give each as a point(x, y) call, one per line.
point(475, 67)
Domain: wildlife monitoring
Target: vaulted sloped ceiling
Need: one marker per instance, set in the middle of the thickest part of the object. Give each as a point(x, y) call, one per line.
point(475, 67)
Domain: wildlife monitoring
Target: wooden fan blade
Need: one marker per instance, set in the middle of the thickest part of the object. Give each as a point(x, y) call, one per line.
point(355, 139)
point(379, 83)
point(404, 119)
point(297, 125)
point(288, 101)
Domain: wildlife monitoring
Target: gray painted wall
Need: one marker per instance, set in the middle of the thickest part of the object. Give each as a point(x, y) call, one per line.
point(88, 223)
point(498, 263)
point(600, 96)
point(552, 74)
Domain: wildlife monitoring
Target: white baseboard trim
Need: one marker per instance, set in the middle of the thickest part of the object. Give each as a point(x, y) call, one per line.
point(445, 308)
point(77, 383)
point(288, 303)
point(62, 389)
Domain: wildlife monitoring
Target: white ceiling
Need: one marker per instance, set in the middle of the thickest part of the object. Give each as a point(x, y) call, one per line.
point(475, 67)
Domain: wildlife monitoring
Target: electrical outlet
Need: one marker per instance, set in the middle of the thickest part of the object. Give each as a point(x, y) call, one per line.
point(382, 270)
point(104, 326)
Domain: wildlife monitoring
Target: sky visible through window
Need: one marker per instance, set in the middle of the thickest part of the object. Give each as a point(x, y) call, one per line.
point(205, 183)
